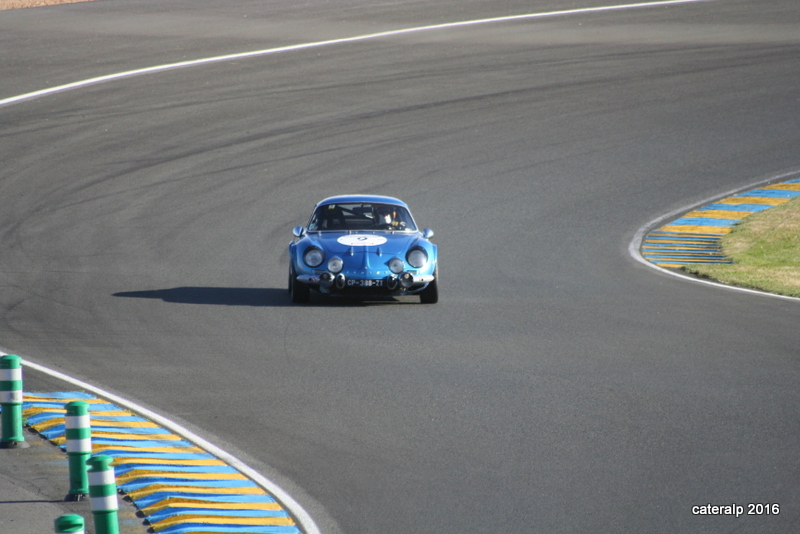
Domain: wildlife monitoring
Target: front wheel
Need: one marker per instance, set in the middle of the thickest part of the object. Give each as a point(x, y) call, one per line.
point(430, 295)
point(299, 291)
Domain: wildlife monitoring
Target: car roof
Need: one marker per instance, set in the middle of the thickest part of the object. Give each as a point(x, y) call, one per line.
point(377, 199)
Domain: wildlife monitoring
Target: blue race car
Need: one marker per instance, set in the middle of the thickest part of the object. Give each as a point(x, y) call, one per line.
point(362, 246)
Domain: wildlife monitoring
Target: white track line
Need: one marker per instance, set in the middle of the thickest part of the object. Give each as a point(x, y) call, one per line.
point(216, 59)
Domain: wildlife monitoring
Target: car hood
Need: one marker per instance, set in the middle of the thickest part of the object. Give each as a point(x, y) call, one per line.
point(383, 243)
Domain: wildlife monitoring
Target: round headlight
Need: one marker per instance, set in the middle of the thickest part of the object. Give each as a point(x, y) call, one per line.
point(335, 264)
point(396, 265)
point(313, 257)
point(417, 258)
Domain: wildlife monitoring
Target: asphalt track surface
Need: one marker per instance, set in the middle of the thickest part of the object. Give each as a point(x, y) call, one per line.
point(558, 386)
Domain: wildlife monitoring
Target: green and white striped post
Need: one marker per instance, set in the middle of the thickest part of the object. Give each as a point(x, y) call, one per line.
point(70, 524)
point(103, 495)
point(79, 447)
point(11, 402)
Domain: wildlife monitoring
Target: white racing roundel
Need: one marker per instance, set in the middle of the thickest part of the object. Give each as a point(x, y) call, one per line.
point(362, 240)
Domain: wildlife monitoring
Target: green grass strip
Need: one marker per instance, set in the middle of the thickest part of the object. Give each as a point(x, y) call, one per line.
point(765, 249)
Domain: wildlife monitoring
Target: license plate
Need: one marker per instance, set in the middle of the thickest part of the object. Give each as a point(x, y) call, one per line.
point(365, 283)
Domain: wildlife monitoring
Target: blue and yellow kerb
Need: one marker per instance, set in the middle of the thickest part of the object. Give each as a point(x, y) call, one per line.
point(696, 237)
point(178, 487)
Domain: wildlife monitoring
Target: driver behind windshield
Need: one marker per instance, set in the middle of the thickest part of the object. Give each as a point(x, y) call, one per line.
point(386, 217)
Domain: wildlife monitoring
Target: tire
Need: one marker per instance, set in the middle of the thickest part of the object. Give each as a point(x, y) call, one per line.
point(300, 292)
point(430, 295)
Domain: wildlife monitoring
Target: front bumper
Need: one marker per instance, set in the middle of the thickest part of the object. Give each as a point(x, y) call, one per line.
point(329, 283)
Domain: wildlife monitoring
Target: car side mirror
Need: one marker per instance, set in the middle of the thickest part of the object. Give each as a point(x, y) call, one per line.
point(427, 233)
point(299, 231)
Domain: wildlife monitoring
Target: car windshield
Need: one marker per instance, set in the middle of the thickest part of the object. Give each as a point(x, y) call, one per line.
point(361, 216)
